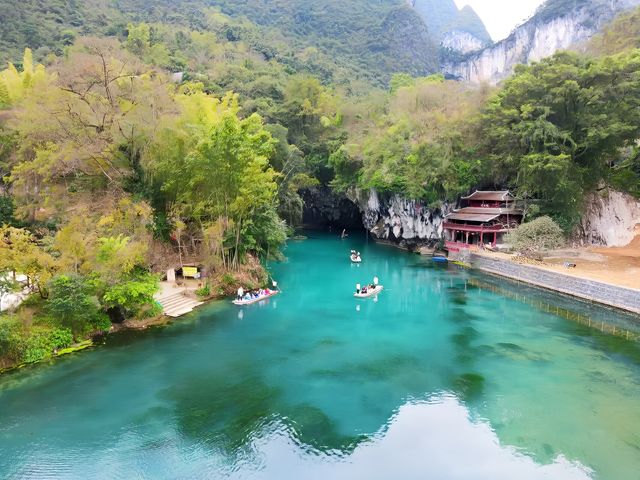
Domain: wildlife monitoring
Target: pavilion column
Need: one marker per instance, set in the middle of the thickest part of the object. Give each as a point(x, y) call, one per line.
point(467, 236)
point(481, 238)
point(495, 238)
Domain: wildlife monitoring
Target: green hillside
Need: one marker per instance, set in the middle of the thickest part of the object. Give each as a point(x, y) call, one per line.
point(355, 40)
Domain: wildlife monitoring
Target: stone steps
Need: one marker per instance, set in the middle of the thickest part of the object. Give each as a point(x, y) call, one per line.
point(177, 304)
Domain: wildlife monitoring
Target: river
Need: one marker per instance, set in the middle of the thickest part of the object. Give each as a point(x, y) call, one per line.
point(434, 378)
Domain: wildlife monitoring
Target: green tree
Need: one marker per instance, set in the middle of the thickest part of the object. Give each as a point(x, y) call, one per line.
point(132, 293)
point(138, 38)
point(73, 303)
point(557, 127)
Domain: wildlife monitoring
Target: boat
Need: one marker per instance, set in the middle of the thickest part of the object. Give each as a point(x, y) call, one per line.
point(370, 292)
point(255, 300)
point(440, 258)
point(355, 258)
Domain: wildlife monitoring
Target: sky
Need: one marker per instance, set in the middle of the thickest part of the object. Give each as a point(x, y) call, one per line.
point(501, 16)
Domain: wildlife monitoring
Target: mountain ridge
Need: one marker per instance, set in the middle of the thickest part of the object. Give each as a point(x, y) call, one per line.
point(556, 25)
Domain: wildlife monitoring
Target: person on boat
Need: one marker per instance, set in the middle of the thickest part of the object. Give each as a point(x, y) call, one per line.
point(240, 293)
point(275, 285)
point(357, 288)
point(364, 289)
point(375, 281)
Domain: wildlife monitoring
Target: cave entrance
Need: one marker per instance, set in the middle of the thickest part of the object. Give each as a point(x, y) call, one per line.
point(327, 210)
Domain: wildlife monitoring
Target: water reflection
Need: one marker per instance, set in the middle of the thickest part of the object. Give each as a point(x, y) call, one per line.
point(434, 439)
point(303, 388)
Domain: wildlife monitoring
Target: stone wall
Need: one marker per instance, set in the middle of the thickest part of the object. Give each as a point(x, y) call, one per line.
point(619, 297)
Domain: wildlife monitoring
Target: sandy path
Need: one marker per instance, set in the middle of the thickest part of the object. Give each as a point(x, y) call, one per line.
point(616, 265)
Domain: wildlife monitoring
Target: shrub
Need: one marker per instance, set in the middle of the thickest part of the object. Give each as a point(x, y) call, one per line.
point(539, 234)
point(228, 280)
point(150, 310)
point(26, 345)
point(205, 291)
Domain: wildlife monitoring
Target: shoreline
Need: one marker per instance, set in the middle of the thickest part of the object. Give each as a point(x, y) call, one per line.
point(126, 326)
point(602, 293)
point(606, 294)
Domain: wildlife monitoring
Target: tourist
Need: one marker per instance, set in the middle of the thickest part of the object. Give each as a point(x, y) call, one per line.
point(357, 288)
point(375, 281)
point(240, 293)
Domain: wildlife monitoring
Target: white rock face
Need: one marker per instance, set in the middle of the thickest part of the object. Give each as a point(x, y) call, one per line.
point(533, 41)
point(462, 42)
point(407, 222)
point(611, 218)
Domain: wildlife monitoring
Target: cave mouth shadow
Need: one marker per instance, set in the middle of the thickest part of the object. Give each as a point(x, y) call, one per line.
point(328, 211)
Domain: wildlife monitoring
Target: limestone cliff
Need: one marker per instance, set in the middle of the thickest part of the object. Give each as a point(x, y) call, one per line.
point(557, 25)
point(443, 16)
point(611, 218)
point(461, 42)
point(408, 223)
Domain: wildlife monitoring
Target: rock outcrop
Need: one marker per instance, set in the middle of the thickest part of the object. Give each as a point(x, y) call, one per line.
point(443, 16)
point(611, 218)
point(552, 28)
point(461, 42)
point(407, 223)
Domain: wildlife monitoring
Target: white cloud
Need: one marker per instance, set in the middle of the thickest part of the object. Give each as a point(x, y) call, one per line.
point(501, 16)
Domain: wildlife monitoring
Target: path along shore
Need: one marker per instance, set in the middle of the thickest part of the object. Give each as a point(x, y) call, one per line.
point(609, 285)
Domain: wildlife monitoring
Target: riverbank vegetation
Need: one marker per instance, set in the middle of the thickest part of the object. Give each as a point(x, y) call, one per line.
point(143, 137)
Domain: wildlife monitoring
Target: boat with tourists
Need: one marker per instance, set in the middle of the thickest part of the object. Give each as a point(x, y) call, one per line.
point(368, 290)
point(355, 257)
point(248, 299)
point(254, 296)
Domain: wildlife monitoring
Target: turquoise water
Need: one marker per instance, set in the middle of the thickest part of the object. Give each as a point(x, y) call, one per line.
point(433, 379)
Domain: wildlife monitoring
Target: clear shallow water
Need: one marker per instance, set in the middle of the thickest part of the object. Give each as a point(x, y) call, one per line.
point(435, 379)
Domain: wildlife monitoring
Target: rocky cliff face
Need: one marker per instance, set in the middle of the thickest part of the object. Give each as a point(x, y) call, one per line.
point(550, 30)
point(462, 42)
point(611, 218)
point(408, 223)
point(443, 16)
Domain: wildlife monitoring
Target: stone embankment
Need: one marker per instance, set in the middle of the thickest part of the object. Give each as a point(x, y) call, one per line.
point(619, 297)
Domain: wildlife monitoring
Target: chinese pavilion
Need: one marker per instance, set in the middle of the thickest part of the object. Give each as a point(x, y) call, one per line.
point(485, 217)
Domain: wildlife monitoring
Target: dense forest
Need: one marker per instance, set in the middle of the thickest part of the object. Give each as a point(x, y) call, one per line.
point(143, 135)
